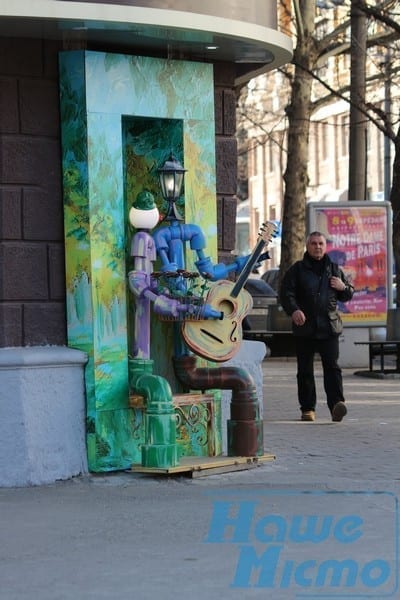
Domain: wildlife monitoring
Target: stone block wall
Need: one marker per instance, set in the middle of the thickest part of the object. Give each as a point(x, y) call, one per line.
point(32, 291)
point(32, 288)
point(226, 158)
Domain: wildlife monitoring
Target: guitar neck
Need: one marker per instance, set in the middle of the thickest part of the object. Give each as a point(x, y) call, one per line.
point(247, 269)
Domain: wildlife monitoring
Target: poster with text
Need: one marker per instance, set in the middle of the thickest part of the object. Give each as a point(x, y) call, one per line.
point(359, 239)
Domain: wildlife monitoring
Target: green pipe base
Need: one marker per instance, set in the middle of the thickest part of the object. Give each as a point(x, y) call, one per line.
point(160, 456)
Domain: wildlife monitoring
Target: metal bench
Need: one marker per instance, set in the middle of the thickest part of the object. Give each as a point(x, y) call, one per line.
point(381, 349)
point(390, 346)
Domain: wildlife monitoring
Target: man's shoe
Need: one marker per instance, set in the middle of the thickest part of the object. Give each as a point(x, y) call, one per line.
point(339, 411)
point(308, 415)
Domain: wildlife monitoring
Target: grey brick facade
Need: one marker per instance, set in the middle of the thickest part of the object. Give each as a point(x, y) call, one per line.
point(32, 304)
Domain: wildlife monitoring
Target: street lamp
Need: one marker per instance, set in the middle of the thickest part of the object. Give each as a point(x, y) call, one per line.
point(171, 176)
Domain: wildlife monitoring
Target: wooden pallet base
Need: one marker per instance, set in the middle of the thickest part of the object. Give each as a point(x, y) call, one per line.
point(201, 466)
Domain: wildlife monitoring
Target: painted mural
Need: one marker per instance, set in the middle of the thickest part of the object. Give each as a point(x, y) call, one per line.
point(121, 116)
point(147, 144)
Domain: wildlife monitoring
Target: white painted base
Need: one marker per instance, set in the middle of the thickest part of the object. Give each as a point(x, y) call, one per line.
point(42, 415)
point(250, 357)
point(350, 355)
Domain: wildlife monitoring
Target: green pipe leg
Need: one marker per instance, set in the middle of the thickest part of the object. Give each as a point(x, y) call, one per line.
point(160, 449)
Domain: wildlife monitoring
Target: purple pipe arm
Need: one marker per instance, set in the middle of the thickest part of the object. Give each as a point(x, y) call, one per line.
point(163, 305)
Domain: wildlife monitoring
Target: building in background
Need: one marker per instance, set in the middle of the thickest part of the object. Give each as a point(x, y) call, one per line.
point(262, 128)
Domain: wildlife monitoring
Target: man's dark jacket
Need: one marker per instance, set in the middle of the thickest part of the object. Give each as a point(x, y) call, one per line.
point(305, 286)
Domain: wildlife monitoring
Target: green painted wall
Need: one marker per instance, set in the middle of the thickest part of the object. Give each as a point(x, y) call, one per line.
point(112, 112)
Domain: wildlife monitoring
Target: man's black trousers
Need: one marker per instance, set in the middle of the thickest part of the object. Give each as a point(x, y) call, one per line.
point(328, 349)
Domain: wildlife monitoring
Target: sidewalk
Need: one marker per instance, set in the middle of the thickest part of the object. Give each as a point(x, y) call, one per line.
point(361, 451)
point(270, 532)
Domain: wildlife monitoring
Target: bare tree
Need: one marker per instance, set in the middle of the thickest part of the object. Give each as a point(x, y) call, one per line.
point(311, 52)
point(299, 113)
point(381, 14)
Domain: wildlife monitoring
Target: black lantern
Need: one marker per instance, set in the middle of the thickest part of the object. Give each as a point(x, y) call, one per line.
point(171, 180)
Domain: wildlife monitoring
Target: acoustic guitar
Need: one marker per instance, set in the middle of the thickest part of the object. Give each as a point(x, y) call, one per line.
point(219, 340)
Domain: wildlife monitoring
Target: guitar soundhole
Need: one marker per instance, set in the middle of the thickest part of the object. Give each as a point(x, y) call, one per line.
point(226, 307)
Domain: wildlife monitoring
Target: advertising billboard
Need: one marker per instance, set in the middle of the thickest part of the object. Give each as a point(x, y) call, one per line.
point(359, 239)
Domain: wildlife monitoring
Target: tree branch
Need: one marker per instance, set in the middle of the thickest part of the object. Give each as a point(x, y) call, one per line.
point(386, 129)
point(377, 13)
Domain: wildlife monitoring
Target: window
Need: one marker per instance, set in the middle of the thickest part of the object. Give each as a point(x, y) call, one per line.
point(271, 155)
point(344, 135)
point(324, 140)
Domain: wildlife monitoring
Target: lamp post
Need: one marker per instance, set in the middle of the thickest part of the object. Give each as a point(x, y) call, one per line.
point(171, 176)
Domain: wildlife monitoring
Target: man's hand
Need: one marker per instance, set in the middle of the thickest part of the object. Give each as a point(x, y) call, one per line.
point(337, 284)
point(298, 317)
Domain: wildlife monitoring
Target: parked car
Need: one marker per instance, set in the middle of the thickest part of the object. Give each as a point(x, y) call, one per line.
point(267, 322)
point(259, 288)
point(272, 278)
point(255, 323)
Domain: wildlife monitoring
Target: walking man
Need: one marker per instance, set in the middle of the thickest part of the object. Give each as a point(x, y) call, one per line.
point(309, 294)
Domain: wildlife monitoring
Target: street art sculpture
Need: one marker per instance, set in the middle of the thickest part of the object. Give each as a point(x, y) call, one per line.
point(110, 144)
point(160, 448)
point(207, 320)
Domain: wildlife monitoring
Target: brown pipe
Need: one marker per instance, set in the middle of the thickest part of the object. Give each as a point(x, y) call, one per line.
point(245, 429)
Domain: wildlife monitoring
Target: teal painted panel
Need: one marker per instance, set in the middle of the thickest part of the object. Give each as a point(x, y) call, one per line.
point(117, 440)
point(107, 261)
point(199, 426)
point(200, 181)
point(73, 115)
point(147, 143)
point(149, 87)
point(76, 198)
point(99, 94)
point(217, 421)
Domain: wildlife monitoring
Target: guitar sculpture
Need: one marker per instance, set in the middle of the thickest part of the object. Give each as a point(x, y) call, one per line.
point(219, 340)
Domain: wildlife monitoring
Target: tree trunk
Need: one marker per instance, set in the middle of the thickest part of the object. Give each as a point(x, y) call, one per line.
point(299, 113)
point(395, 202)
point(358, 122)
